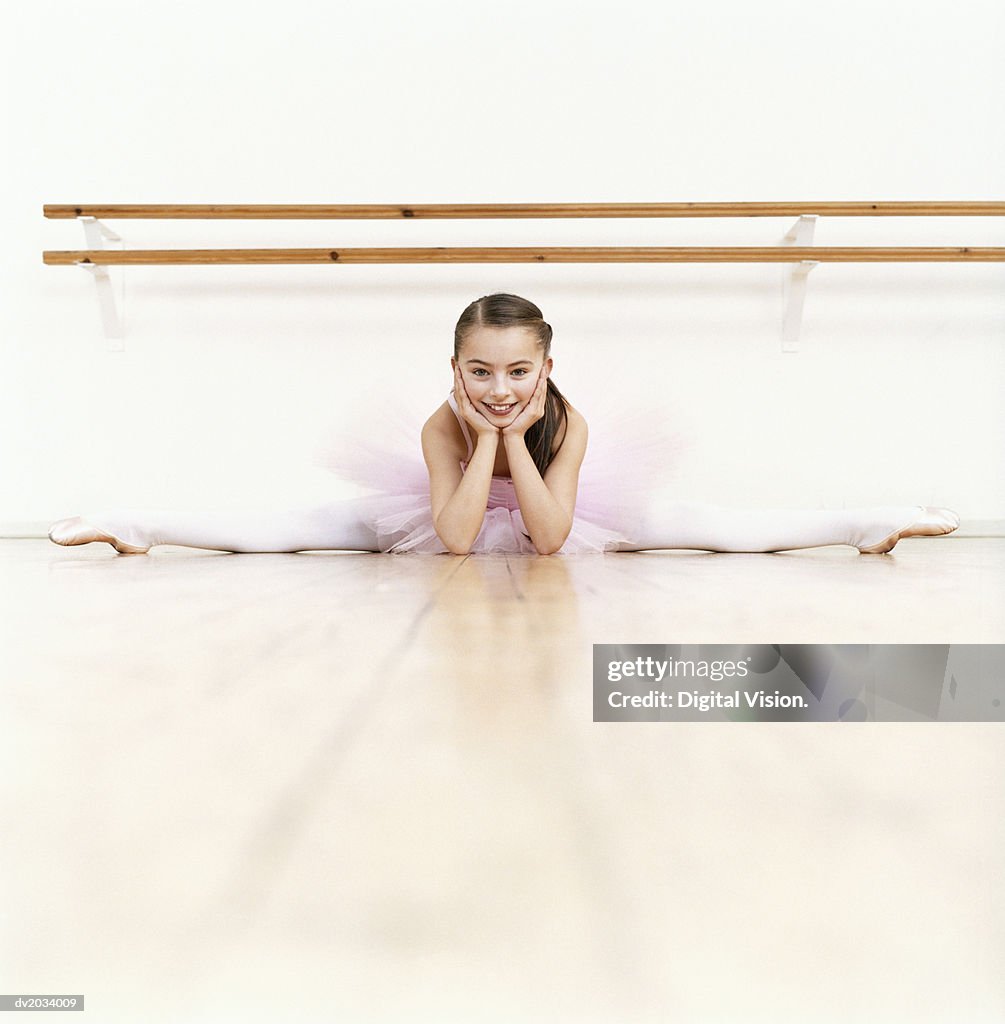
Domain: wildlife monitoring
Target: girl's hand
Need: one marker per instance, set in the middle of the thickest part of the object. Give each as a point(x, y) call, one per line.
point(532, 411)
point(471, 415)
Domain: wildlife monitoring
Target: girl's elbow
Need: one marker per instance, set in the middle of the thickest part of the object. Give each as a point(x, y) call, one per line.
point(453, 545)
point(552, 546)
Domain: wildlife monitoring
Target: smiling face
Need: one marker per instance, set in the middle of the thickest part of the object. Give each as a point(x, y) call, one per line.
point(500, 368)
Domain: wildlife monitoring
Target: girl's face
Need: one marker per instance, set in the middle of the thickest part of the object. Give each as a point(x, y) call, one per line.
point(500, 368)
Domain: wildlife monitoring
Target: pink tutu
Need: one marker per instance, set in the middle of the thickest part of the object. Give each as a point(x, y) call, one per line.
point(628, 455)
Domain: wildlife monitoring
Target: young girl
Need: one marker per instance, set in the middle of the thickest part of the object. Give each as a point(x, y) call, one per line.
point(503, 456)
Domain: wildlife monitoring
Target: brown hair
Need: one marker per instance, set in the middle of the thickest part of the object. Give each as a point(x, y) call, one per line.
point(504, 310)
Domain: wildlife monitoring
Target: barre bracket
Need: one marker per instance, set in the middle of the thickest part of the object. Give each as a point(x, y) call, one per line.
point(111, 294)
point(794, 282)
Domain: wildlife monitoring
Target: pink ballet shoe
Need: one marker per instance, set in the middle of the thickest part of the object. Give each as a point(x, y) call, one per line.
point(75, 530)
point(933, 522)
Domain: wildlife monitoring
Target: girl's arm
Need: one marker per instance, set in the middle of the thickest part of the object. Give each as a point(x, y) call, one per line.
point(547, 504)
point(459, 499)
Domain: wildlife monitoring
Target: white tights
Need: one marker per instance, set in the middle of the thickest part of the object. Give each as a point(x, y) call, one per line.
point(334, 526)
point(684, 524)
point(665, 524)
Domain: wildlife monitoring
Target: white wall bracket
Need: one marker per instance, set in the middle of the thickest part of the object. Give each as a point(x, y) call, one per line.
point(794, 281)
point(111, 295)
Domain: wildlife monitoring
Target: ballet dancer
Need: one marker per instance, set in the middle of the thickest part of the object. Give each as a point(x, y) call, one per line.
point(503, 457)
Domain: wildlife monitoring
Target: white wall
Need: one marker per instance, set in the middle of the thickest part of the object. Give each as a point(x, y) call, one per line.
point(232, 378)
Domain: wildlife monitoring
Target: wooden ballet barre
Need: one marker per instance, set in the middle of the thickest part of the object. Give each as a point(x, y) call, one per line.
point(479, 211)
point(801, 255)
point(571, 254)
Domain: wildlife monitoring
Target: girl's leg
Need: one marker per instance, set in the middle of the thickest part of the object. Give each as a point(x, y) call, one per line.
point(333, 526)
point(678, 524)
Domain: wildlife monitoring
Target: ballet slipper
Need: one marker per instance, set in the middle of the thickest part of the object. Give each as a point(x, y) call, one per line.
point(933, 522)
point(76, 530)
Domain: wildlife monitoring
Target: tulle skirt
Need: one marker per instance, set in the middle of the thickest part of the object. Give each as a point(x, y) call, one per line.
point(630, 453)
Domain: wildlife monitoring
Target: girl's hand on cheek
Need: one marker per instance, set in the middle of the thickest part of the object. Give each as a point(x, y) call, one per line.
point(532, 411)
point(467, 409)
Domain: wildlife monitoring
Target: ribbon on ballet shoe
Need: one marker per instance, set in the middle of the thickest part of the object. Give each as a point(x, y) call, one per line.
point(75, 530)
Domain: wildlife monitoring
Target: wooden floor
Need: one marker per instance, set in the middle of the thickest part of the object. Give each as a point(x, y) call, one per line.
point(351, 787)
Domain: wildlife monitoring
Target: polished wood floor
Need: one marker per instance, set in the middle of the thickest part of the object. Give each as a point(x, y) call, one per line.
point(351, 787)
